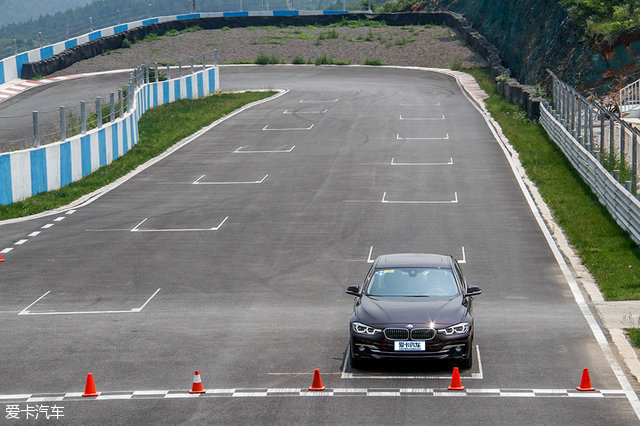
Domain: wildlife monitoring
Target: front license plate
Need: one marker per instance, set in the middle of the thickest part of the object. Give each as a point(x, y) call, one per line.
point(409, 345)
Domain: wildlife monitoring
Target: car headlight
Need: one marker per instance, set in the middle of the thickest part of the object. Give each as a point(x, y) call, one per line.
point(360, 328)
point(461, 328)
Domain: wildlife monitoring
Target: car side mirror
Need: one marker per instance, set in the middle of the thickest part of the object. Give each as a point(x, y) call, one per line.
point(473, 291)
point(354, 290)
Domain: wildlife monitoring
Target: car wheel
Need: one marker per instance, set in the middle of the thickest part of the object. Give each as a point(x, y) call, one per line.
point(467, 363)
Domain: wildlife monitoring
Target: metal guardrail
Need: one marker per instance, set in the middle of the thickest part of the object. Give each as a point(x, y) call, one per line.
point(579, 128)
point(630, 97)
point(612, 141)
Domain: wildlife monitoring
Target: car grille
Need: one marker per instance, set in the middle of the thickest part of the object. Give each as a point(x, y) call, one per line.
point(423, 334)
point(396, 333)
point(403, 333)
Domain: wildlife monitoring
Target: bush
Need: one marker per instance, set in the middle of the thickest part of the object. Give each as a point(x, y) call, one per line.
point(456, 65)
point(327, 35)
point(126, 44)
point(504, 77)
point(298, 60)
point(373, 61)
point(323, 60)
point(263, 59)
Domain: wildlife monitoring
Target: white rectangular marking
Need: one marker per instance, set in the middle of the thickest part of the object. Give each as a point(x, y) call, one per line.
point(585, 395)
point(150, 392)
point(21, 242)
point(16, 396)
point(59, 219)
point(239, 151)
point(45, 398)
point(71, 212)
point(47, 226)
point(527, 394)
point(398, 137)
point(449, 163)
point(197, 182)
point(454, 201)
point(123, 396)
point(7, 250)
point(422, 118)
point(249, 394)
point(290, 128)
point(73, 394)
point(34, 234)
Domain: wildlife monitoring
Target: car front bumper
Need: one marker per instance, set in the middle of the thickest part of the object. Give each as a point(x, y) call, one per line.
point(440, 347)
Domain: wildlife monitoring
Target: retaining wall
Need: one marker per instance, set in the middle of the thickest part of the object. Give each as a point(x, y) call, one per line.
point(28, 172)
point(12, 67)
point(623, 206)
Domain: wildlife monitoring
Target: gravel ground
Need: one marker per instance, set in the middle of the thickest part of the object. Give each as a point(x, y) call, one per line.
point(427, 46)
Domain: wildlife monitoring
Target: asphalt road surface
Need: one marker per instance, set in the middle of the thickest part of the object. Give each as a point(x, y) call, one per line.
point(242, 275)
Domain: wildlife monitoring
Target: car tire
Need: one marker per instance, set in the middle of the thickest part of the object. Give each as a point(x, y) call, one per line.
point(467, 363)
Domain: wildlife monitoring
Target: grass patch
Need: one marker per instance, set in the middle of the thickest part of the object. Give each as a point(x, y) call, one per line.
point(606, 250)
point(357, 23)
point(257, 42)
point(323, 60)
point(225, 29)
point(634, 336)
point(404, 40)
point(159, 129)
point(151, 37)
point(328, 35)
point(212, 44)
point(193, 28)
point(298, 60)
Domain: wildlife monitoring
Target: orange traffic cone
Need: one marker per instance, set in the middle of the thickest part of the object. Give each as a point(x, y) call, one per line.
point(585, 383)
point(455, 380)
point(317, 382)
point(197, 384)
point(90, 387)
point(1, 259)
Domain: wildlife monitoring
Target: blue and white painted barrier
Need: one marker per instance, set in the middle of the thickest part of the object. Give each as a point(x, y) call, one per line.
point(28, 172)
point(11, 67)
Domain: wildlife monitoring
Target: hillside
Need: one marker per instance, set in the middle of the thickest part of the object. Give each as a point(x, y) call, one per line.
point(17, 11)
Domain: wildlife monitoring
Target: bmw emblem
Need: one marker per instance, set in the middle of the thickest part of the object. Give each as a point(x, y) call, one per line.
point(409, 326)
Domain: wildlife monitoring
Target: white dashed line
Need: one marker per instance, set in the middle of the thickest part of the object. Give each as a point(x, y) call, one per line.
point(21, 242)
point(71, 212)
point(58, 219)
point(34, 234)
point(47, 226)
point(7, 250)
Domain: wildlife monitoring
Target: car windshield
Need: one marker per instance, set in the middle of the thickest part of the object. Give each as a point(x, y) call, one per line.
point(416, 282)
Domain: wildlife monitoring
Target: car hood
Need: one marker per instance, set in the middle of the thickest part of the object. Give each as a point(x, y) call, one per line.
point(419, 311)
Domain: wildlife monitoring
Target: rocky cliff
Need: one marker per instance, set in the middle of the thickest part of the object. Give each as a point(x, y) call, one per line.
point(537, 34)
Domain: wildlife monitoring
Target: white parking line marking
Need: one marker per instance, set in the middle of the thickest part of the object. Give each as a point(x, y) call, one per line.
point(398, 137)
point(449, 163)
point(290, 128)
point(7, 250)
point(197, 181)
point(47, 226)
point(34, 234)
point(422, 118)
point(320, 102)
point(59, 219)
point(145, 303)
point(474, 376)
point(369, 259)
point(26, 311)
point(464, 256)
point(20, 242)
point(239, 151)
point(454, 201)
point(215, 228)
point(286, 111)
point(37, 300)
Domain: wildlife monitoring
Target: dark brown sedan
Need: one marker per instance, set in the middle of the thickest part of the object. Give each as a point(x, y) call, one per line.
point(413, 306)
